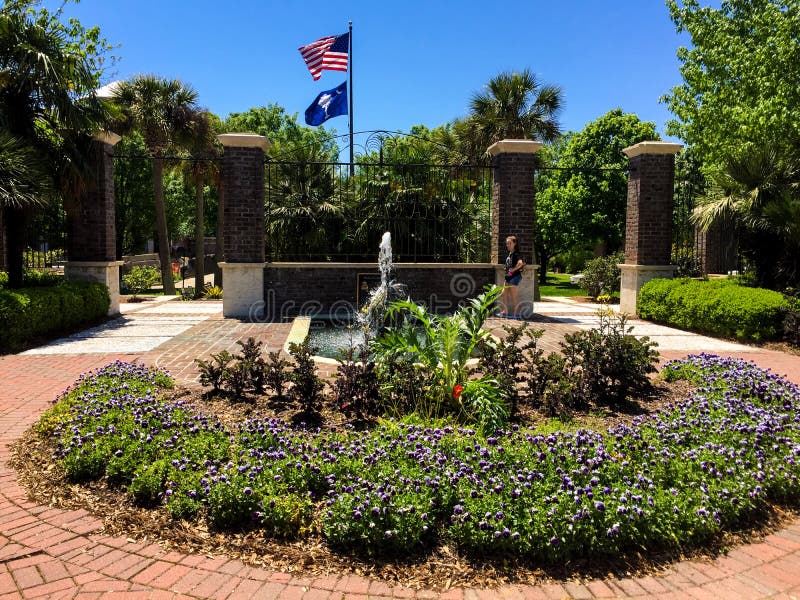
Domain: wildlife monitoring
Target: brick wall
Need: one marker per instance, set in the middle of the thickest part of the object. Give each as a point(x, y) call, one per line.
point(513, 204)
point(291, 290)
point(91, 231)
point(648, 226)
point(243, 180)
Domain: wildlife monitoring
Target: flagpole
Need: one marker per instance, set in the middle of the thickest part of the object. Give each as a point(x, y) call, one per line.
point(352, 167)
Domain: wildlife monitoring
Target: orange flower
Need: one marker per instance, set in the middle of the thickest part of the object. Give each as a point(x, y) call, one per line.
point(457, 389)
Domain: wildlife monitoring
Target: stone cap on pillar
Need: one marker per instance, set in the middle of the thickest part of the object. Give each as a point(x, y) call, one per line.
point(514, 146)
point(106, 137)
point(244, 140)
point(652, 148)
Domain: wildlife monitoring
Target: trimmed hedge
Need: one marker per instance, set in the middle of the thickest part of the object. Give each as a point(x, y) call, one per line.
point(718, 307)
point(28, 313)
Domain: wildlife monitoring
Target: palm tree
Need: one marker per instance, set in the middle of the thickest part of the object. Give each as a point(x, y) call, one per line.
point(517, 106)
point(162, 111)
point(47, 110)
point(24, 185)
point(201, 169)
point(304, 216)
point(759, 190)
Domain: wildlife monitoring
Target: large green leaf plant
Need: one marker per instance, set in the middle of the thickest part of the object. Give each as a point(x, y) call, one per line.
point(440, 348)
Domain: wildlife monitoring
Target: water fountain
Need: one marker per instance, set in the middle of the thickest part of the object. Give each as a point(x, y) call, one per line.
point(370, 319)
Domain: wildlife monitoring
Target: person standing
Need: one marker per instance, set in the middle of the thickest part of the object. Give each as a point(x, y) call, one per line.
point(513, 277)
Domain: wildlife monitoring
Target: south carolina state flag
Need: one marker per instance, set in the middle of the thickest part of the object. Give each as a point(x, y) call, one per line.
point(328, 104)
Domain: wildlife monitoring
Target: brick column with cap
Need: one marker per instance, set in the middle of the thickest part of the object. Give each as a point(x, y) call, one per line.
point(91, 229)
point(243, 180)
point(514, 212)
point(648, 223)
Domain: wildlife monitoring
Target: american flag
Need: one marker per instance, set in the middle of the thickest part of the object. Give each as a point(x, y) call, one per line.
point(326, 53)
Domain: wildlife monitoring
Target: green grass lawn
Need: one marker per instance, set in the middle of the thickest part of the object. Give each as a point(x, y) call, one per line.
point(558, 285)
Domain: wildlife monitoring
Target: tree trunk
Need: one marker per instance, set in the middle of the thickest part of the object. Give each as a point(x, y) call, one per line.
point(161, 225)
point(544, 258)
point(219, 249)
point(199, 240)
point(15, 221)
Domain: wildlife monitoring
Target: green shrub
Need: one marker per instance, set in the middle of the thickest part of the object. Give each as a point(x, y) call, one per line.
point(34, 278)
point(28, 313)
point(439, 347)
point(608, 364)
point(147, 487)
point(307, 387)
point(235, 374)
point(233, 504)
point(213, 293)
point(573, 260)
point(356, 387)
point(141, 279)
point(718, 307)
point(601, 275)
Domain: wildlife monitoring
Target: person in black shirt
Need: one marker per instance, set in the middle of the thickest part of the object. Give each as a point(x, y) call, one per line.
point(514, 267)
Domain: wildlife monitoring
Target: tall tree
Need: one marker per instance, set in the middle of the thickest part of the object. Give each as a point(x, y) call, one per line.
point(740, 77)
point(201, 170)
point(282, 130)
point(582, 200)
point(517, 106)
point(161, 110)
point(47, 107)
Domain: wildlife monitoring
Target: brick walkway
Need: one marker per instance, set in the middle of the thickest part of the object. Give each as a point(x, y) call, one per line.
point(210, 337)
point(53, 553)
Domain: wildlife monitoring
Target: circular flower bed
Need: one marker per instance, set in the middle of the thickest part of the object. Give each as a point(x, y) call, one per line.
point(673, 479)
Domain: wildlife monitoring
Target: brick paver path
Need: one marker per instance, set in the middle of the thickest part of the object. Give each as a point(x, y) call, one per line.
point(211, 337)
point(54, 553)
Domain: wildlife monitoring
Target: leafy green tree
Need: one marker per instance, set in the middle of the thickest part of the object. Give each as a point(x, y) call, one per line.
point(516, 106)
point(283, 131)
point(24, 180)
point(161, 110)
point(582, 200)
point(740, 77)
point(133, 195)
point(554, 233)
point(48, 71)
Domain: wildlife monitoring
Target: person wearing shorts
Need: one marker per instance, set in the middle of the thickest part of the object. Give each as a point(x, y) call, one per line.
point(514, 267)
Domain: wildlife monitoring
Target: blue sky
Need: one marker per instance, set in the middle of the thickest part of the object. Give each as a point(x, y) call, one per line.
point(415, 62)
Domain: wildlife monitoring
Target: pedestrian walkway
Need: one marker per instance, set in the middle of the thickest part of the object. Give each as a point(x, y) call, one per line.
point(53, 553)
point(140, 327)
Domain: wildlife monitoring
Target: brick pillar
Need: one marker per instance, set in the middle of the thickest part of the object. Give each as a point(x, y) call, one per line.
point(514, 212)
point(243, 181)
point(648, 224)
point(91, 231)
